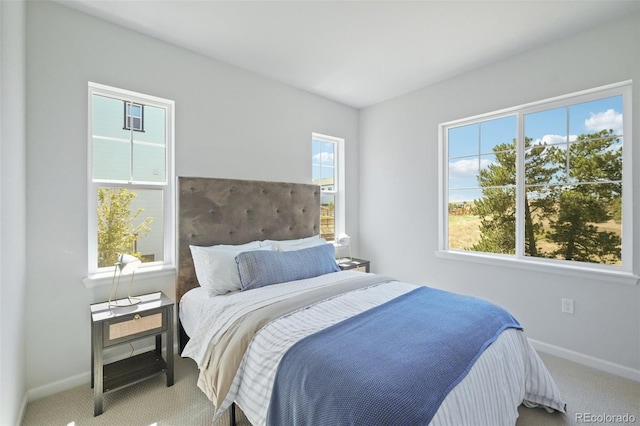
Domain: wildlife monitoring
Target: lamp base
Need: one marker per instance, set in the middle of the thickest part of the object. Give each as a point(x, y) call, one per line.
point(129, 301)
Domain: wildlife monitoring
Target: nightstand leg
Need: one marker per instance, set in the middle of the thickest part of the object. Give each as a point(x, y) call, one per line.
point(98, 372)
point(93, 348)
point(169, 344)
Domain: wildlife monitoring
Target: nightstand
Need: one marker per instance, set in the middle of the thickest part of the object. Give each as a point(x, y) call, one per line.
point(353, 263)
point(111, 326)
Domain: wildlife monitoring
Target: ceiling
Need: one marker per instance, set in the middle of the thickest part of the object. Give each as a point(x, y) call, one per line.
point(358, 52)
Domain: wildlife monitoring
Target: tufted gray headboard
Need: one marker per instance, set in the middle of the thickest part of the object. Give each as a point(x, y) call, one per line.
point(230, 211)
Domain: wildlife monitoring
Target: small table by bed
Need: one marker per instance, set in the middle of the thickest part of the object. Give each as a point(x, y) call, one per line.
point(111, 326)
point(353, 263)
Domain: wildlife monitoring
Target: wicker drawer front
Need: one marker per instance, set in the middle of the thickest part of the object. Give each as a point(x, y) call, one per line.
point(361, 269)
point(137, 325)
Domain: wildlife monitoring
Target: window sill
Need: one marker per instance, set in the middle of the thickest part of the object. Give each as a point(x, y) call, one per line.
point(618, 277)
point(106, 278)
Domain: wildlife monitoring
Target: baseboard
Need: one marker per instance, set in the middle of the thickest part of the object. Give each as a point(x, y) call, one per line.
point(589, 361)
point(59, 386)
point(77, 380)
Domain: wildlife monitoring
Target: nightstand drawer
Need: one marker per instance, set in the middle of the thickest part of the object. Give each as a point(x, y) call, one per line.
point(137, 325)
point(361, 269)
point(134, 325)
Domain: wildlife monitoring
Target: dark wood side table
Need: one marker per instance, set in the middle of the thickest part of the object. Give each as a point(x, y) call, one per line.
point(111, 326)
point(353, 263)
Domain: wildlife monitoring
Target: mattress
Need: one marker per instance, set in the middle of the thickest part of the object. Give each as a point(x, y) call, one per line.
point(192, 305)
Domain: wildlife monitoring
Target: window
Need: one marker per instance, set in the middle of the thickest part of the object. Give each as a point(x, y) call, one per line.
point(133, 116)
point(547, 182)
point(130, 178)
point(326, 169)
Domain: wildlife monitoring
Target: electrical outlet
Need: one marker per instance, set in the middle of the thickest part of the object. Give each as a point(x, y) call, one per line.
point(567, 306)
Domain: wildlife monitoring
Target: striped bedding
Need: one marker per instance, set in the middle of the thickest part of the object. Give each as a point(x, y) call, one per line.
point(507, 374)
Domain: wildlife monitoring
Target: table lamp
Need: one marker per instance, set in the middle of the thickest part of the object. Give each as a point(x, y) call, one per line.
point(344, 240)
point(126, 264)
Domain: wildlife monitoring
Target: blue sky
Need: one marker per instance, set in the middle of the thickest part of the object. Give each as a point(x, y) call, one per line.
point(470, 148)
point(322, 156)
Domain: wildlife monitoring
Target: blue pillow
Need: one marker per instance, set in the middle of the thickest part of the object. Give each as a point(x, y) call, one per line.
point(262, 268)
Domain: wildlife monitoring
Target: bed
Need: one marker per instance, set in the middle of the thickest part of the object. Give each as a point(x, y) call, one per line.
point(290, 339)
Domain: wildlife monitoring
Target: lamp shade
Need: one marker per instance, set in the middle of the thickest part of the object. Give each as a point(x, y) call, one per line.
point(343, 240)
point(128, 264)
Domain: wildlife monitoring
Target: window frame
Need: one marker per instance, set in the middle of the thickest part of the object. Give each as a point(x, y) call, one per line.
point(339, 183)
point(101, 275)
point(624, 273)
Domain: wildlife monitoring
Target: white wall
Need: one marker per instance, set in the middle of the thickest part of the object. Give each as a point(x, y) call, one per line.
point(12, 212)
point(229, 123)
point(399, 164)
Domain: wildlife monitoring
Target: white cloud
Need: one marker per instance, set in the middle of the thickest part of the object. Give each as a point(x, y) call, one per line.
point(554, 139)
point(609, 119)
point(324, 158)
point(466, 168)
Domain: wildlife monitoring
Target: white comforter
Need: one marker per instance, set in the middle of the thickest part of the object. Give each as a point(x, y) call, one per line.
point(508, 373)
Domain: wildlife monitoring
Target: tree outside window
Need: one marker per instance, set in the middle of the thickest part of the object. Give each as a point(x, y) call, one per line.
point(119, 228)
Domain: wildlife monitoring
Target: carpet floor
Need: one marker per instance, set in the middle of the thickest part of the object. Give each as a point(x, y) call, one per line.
point(585, 390)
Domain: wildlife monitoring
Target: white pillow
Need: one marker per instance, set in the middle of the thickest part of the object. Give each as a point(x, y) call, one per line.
point(298, 244)
point(216, 266)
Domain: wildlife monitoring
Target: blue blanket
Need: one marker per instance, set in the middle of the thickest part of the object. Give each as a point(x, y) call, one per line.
point(390, 365)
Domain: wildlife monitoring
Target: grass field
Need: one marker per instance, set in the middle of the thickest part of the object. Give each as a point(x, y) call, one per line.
point(464, 232)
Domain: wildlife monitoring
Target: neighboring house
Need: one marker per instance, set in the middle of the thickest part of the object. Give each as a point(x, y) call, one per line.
point(325, 184)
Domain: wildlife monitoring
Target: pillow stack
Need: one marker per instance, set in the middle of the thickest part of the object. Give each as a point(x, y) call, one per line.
point(226, 268)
